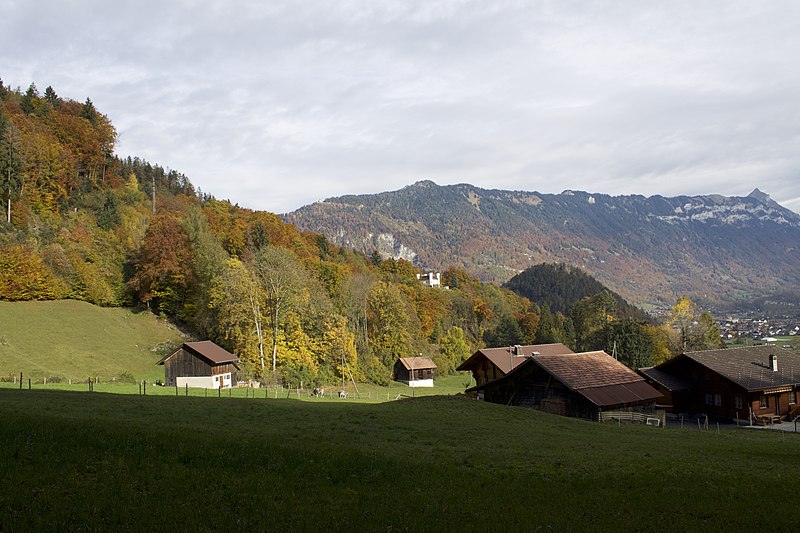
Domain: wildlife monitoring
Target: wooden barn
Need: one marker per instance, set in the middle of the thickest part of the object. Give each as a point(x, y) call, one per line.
point(590, 385)
point(488, 364)
point(759, 383)
point(414, 371)
point(200, 364)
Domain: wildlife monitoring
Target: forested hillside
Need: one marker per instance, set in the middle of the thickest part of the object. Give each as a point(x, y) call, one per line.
point(80, 222)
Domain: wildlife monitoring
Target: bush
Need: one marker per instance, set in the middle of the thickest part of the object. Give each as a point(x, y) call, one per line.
point(126, 377)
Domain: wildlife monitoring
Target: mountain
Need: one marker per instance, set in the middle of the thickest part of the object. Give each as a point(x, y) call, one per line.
point(559, 287)
point(718, 250)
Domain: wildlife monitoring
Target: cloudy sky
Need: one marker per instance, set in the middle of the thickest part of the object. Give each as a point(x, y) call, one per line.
point(275, 104)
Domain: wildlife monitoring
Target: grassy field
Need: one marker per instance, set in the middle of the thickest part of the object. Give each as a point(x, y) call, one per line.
point(359, 393)
point(72, 460)
point(68, 339)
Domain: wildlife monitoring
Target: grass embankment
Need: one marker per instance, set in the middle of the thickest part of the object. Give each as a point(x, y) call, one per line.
point(68, 339)
point(97, 461)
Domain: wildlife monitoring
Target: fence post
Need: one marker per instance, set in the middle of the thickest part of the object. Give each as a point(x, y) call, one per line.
point(20, 381)
point(140, 388)
point(187, 390)
point(144, 388)
point(29, 383)
point(176, 388)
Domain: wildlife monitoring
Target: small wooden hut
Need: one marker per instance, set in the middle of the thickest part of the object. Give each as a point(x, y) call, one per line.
point(414, 371)
point(200, 364)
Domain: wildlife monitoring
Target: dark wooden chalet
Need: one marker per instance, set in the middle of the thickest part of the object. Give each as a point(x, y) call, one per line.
point(756, 383)
point(414, 371)
point(583, 385)
point(200, 364)
point(488, 364)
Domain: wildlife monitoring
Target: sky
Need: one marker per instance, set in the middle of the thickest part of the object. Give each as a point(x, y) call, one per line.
point(275, 105)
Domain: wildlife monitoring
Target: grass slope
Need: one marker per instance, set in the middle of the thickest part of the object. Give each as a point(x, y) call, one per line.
point(71, 339)
point(97, 461)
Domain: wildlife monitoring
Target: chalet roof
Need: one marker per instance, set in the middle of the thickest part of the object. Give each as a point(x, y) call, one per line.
point(416, 363)
point(506, 362)
point(667, 380)
point(597, 376)
point(749, 367)
point(208, 350)
point(588, 369)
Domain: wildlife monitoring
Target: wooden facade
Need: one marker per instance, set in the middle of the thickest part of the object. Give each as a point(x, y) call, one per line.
point(737, 383)
point(195, 359)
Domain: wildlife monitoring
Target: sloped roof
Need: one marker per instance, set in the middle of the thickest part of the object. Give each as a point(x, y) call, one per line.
point(501, 359)
point(416, 363)
point(588, 369)
point(207, 350)
point(624, 393)
point(669, 381)
point(749, 367)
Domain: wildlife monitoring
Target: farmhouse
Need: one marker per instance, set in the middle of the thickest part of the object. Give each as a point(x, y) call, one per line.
point(414, 371)
point(590, 385)
point(200, 364)
point(758, 382)
point(488, 364)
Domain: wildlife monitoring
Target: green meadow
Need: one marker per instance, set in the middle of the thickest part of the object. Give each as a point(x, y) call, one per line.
point(68, 339)
point(96, 461)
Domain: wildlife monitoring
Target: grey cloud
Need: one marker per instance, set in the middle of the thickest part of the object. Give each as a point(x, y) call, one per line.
point(278, 104)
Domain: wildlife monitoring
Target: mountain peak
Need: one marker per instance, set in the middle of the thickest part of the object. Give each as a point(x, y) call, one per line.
point(423, 184)
point(760, 196)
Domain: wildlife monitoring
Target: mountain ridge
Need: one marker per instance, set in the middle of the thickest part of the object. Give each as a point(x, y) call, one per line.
point(649, 249)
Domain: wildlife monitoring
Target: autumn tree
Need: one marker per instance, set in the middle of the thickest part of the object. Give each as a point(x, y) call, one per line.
point(10, 162)
point(281, 277)
point(627, 339)
point(590, 315)
point(162, 268)
point(454, 348)
point(389, 323)
point(238, 301)
point(691, 328)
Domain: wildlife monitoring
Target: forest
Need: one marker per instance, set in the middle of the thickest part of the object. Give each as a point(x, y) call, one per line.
point(80, 222)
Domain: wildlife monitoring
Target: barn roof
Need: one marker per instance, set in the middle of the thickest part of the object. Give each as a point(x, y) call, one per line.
point(509, 357)
point(749, 367)
point(416, 363)
point(208, 350)
point(588, 369)
point(597, 376)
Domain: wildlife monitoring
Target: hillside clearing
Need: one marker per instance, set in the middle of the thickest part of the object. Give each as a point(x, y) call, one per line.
point(69, 339)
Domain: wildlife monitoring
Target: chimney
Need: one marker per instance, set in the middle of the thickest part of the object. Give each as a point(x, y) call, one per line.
point(517, 349)
point(773, 362)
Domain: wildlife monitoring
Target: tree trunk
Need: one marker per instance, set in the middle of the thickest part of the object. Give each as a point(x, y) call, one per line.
point(275, 340)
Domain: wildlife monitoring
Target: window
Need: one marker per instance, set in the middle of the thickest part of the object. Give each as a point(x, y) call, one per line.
point(763, 402)
point(718, 400)
point(792, 397)
point(737, 402)
point(709, 399)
